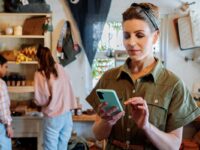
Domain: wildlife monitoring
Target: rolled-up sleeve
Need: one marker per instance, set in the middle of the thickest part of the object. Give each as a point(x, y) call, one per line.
point(183, 109)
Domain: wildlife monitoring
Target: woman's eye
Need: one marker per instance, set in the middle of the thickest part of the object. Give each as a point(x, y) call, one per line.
point(126, 35)
point(139, 35)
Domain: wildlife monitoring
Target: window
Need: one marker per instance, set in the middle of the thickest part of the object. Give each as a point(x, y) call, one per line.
point(111, 40)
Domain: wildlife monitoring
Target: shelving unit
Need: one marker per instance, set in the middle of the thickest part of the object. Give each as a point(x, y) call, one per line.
point(26, 14)
point(18, 19)
point(23, 62)
point(14, 42)
point(23, 126)
point(23, 36)
point(20, 89)
point(120, 57)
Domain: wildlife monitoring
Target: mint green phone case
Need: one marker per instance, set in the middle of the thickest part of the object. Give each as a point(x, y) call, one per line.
point(109, 96)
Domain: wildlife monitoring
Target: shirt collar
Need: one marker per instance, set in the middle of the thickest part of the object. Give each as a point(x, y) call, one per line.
point(154, 73)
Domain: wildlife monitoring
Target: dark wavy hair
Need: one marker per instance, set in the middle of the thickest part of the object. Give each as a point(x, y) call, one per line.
point(3, 60)
point(46, 62)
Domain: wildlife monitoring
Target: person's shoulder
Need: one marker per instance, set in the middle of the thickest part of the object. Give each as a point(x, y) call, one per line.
point(170, 76)
point(59, 67)
point(2, 83)
point(113, 72)
point(38, 76)
point(37, 73)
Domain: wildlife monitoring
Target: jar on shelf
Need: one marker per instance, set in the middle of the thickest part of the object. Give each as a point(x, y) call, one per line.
point(18, 30)
point(79, 112)
point(9, 31)
point(19, 80)
point(8, 81)
point(23, 81)
point(13, 78)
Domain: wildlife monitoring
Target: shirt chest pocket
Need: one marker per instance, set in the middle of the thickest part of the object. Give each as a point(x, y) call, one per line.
point(157, 111)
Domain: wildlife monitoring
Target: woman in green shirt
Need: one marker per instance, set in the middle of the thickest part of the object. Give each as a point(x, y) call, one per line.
point(156, 102)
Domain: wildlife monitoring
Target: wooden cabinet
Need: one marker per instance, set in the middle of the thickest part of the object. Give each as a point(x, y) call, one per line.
point(28, 127)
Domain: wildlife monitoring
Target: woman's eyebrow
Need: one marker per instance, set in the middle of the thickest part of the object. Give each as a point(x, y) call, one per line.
point(138, 31)
point(134, 31)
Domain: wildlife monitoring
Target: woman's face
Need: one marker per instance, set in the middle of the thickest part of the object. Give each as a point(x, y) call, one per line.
point(3, 69)
point(138, 39)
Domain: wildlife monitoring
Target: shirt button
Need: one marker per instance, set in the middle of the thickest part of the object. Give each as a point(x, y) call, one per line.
point(133, 91)
point(127, 142)
point(156, 101)
point(129, 117)
point(128, 129)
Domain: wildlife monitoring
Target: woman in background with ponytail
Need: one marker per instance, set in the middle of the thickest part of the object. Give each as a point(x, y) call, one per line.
point(53, 92)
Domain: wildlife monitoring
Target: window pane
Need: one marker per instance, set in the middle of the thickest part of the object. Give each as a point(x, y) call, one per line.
point(100, 65)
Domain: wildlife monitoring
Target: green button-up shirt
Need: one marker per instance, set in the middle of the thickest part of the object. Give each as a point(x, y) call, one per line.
point(169, 102)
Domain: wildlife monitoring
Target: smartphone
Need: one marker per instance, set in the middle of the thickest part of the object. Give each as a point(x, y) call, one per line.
point(109, 96)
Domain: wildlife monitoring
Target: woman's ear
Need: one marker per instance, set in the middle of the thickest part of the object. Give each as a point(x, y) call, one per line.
point(156, 36)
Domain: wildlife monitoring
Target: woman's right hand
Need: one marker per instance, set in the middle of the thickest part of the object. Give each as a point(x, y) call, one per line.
point(110, 116)
point(9, 131)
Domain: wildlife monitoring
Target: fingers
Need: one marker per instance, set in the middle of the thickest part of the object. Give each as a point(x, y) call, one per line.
point(102, 109)
point(111, 115)
point(118, 115)
point(137, 103)
point(134, 100)
point(10, 132)
point(105, 113)
point(115, 118)
point(108, 114)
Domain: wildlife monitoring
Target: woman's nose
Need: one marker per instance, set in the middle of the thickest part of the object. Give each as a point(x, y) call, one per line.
point(132, 42)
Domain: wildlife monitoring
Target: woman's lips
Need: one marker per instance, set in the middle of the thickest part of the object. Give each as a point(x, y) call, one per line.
point(134, 51)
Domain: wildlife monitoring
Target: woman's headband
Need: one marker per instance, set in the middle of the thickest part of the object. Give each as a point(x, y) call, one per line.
point(149, 13)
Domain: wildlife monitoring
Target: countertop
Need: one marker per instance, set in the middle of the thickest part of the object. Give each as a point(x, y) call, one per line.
point(80, 118)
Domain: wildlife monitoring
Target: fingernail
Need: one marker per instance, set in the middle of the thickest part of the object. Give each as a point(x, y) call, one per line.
point(125, 103)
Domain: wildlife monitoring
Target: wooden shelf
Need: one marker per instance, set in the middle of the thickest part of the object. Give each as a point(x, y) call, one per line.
point(24, 62)
point(20, 89)
point(26, 14)
point(82, 118)
point(23, 36)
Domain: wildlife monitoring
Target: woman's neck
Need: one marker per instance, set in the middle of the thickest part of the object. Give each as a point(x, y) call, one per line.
point(137, 66)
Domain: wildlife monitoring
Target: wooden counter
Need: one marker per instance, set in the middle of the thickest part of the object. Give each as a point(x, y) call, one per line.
point(82, 118)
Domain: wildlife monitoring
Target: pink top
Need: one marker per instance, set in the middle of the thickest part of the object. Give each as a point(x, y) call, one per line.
point(62, 99)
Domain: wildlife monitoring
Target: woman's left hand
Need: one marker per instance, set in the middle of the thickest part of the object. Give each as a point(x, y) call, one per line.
point(140, 111)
